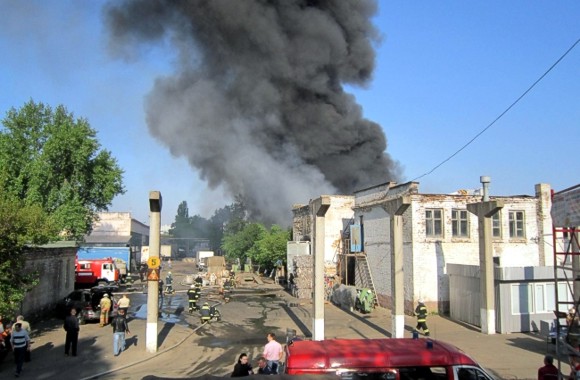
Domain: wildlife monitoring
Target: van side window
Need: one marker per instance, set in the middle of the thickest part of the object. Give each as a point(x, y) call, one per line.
point(470, 373)
point(422, 373)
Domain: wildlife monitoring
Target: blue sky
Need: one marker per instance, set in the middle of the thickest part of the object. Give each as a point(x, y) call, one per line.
point(444, 71)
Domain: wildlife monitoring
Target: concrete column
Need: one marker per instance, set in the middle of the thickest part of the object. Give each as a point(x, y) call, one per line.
point(395, 208)
point(155, 201)
point(319, 208)
point(546, 251)
point(484, 211)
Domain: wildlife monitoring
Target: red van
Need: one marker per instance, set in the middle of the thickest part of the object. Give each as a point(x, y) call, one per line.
point(382, 359)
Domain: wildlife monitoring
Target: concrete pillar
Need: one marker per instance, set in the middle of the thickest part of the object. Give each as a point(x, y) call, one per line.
point(395, 208)
point(319, 208)
point(546, 251)
point(484, 211)
point(155, 201)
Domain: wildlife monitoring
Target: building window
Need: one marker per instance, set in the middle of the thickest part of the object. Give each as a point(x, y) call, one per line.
point(496, 225)
point(521, 299)
point(460, 223)
point(434, 222)
point(517, 224)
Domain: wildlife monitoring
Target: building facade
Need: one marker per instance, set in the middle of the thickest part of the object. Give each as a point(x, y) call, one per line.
point(438, 230)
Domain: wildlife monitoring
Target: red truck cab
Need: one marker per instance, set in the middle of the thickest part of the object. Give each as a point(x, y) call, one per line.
point(94, 271)
point(382, 359)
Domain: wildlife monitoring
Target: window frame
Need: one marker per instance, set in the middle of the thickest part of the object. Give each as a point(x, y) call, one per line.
point(530, 300)
point(430, 223)
point(513, 224)
point(496, 219)
point(457, 223)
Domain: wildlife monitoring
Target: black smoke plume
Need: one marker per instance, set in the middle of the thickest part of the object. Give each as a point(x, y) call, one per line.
point(256, 102)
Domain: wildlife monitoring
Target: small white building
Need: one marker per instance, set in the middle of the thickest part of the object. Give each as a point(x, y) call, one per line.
point(438, 231)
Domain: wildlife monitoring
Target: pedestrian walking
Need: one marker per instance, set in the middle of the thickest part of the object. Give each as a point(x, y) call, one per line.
point(242, 367)
point(20, 341)
point(71, 326)
point(105, 306)
point(124, 303)
point(120, 328)
point(421, 313)
point(28, 329)
point(549, 371)
point(273, 352)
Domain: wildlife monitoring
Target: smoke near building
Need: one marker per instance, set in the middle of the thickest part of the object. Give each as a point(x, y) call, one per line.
point(256, 101)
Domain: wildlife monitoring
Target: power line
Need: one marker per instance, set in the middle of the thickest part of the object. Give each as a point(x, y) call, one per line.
point(502, 114)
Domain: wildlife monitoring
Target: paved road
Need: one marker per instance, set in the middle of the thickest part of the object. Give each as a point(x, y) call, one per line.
point(188, 349)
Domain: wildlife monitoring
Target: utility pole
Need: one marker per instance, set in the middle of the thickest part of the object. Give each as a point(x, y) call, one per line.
point(153, 281)
point(484, 211)
point(395, 208)
point(319, 208)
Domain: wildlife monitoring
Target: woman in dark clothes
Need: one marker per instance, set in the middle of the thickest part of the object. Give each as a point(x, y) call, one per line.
point(242, 368)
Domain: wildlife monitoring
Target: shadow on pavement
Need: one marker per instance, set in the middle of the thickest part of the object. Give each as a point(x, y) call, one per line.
point(305, 331)
point(460, 323)
point(366, 322)
point(164, 332)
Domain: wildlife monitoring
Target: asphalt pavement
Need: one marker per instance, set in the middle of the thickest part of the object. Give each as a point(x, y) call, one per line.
point(186, 348)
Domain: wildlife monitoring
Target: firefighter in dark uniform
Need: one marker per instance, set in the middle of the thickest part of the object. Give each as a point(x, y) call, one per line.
point(205, 313)
point(421, 313)
point(192, 296)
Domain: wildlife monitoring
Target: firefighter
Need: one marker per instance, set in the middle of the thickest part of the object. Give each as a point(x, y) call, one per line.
point(169, 283)
point(193, 296)
point(215, 313)
point(421, 313)
point(205, 313)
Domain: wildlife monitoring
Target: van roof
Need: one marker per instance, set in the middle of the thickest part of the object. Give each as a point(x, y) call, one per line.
point(372, 353)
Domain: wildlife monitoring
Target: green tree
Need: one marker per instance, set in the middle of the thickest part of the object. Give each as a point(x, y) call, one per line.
point(51, 159)
point(238, 245)
point(21, 225)
point(270, 248)
point(181, 228)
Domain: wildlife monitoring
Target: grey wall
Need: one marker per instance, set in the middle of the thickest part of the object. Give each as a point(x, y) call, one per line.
point(56, 270)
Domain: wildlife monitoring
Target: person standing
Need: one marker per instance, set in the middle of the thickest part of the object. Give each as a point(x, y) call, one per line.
point(242, 367)
point(71, 326)
point(124, 303)
point(273, 352)
point(25, 325)
point(105, 306)
point(169, 283)
point(120, 328)
point(549, 371)
point(192, 296)
point(421, 313)
point(20, 344)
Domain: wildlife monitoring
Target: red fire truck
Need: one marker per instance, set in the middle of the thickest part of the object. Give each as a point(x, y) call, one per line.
point(95, 271)
point(382, 359)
